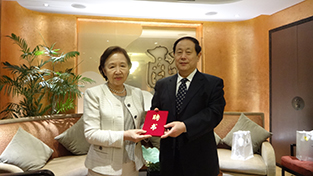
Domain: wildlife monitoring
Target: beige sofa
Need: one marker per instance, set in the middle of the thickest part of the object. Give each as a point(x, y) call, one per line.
point(263, 162)
point(62, 162)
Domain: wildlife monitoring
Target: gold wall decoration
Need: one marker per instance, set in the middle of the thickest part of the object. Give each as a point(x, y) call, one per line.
point(163, 65)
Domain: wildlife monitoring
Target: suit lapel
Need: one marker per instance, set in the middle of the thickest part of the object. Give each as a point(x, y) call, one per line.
point(195, 85)
point(172, 93)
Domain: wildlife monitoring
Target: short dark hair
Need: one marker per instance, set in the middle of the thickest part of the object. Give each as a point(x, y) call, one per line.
point(107, 53)
point(194, 40)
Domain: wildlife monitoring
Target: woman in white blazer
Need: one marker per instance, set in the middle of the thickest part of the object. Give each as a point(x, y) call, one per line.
point(113, 116)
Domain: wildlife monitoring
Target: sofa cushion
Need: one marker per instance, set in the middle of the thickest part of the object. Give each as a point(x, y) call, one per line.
point(9, 168)
point(253, 166)
point(217, 138)
point(301, 167)
point(67, 166)
point(26, 151)
point(73, 139)
point(258, 134)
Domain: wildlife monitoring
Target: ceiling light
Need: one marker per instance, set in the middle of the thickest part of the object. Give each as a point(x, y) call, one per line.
point(211, 13)
point(46, 4)
point(78, 6)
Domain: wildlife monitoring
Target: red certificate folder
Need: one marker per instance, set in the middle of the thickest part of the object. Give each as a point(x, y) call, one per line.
point(154, 122)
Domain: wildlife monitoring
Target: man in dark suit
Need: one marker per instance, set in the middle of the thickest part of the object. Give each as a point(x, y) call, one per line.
point(188, 146)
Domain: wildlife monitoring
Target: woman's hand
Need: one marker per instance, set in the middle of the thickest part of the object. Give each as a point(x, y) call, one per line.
point(135, 135)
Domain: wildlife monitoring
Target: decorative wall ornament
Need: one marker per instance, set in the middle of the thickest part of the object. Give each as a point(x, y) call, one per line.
point(163, 65)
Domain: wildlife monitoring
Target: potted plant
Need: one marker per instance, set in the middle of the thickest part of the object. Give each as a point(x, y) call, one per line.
point(151, 155)
point(42, 90)
point(153, 169)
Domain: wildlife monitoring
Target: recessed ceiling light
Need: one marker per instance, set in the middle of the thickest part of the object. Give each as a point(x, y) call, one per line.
point(78, 6)
point(211, 13)
point(46, 4)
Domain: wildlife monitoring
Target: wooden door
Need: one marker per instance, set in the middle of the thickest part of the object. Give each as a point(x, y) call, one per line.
point(291, 65)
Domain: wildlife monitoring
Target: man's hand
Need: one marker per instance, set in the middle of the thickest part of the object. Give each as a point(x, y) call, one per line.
point(177, 128)
point(135, 135)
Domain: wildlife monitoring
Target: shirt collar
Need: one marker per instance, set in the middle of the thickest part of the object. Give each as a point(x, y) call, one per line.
point(189, 77)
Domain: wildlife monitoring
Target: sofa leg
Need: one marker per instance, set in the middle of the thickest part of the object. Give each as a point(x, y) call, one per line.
point(282, 171)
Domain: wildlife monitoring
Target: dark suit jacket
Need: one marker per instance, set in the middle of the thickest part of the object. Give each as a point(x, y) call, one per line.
point(201, 111)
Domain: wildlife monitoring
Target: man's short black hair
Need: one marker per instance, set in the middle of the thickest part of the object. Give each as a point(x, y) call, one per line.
point(194, 40)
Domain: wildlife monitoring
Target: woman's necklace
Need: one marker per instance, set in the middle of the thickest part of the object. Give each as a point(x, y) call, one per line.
point(117, 92)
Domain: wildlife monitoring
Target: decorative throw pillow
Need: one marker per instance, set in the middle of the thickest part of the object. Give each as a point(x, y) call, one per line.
point(26, 151)
point(258, 134)
point(217, 138)
point(73, 139)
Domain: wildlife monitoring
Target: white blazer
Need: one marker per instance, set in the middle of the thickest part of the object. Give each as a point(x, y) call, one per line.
point(104, 127)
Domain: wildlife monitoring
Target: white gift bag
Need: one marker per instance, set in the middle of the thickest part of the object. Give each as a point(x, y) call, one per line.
point(241, 146)
point(304, 147)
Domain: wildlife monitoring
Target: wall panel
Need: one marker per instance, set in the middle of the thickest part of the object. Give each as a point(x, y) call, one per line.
point(236, 51)
point(31, 25)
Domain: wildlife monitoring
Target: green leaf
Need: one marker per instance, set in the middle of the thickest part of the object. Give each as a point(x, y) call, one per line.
point(37, 53)
point(35, 84)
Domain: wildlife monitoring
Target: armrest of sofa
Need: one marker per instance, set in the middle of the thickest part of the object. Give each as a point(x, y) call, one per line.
point(9, 168)
point(268, 155)
point(44, 172)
